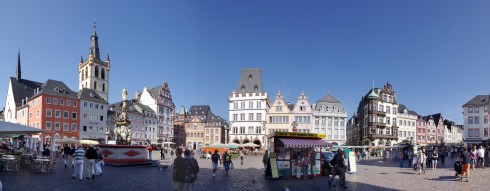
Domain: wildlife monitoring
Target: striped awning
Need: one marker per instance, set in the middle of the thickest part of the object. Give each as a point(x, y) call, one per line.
point(303, 143)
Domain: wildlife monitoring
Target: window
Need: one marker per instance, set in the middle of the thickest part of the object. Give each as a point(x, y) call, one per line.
point(97, 71)
point(74, 115)
point(470, 109)
point(103, 87)
point(65, 126)
point(85, 104)
point(84, 128)
point(485, 119)
point(242, 116)
point(57, 113)
point(74, 103)
point(250, 116)
point(66, 114)
point(48, 125)
point(55, 101)
point(102, 73)
point(235, 117)
point(388, 109)
point(101, 118)
point(96, 106)
point(477, 119)
point(258, 116)
point(57, 126)
point(48, 100)
point(242, 104)
point(470, 120)
point(85, 115)
point(235, 105)
point(476, 132)
point(476, 110)
point(259, 104)
point(250, 104)
point(485, 132)
point(91, 105)
point(278, 108)
point(95, 85)
point(37, 113)
point(62, 101)
point(49, 113)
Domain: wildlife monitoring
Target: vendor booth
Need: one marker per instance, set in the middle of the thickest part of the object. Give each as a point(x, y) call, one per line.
point(286, 148)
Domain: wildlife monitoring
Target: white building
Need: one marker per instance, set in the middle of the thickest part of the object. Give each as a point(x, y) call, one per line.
point(330, 119)
point(406, 120)
point(475, 115)
point(93, 115)
point(248, 106)
point(302, 114)
point(160, 100)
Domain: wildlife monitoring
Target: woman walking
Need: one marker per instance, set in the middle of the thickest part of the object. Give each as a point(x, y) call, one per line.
point(435, 156)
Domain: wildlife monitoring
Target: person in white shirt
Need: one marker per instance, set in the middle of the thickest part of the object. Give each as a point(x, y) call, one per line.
point(481, 157)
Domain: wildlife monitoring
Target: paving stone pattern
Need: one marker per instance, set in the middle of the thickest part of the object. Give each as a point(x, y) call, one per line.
point(373, 174)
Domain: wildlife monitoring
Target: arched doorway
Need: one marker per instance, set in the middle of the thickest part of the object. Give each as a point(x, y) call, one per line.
point(257, 142)
point(246, 141)
point(236, 141)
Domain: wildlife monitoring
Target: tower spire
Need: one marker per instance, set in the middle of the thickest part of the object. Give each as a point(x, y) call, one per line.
point(18, 73)
point(94, 43)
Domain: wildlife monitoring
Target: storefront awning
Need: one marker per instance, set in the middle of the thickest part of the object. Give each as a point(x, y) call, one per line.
point(303, 143)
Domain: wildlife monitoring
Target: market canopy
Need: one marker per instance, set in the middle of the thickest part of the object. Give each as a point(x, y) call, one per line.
point(303, 143)
point(7, 128)
point(249, 145)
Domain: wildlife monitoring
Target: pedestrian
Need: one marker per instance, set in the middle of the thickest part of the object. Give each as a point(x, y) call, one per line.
point(306, 162)
point(443, 155)
point(172, 154)
point(400, 157)
point(214, 161)
point(298, 165)
point(435, 156)
point(91, 155)
point(313, 163)
point(178, 171)
point(99, 162)
point(421, 160)
point(78, 171)
point(226, 162)
point(415, 161)
point(410, 158)
point(481, 157)
point(66, 154)
point(363, 154)
point(358, 153)
point(264, 159)
point(150, 152)
point(241, 157)
point(465, 157)
point(162, 154)
point(72, 153)
point(473, 157)
point(339, 168)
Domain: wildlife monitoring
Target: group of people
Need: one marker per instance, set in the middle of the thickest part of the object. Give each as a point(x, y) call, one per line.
point(302, 163)
point(93, 156)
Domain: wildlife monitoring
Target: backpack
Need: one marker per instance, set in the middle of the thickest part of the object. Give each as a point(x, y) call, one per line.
point(191, 169)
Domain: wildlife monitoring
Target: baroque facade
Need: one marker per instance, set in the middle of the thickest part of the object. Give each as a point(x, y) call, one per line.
point(475, 115)
point(330, 118)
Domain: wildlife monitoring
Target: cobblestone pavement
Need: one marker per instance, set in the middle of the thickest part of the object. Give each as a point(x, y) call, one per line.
point(373, 174)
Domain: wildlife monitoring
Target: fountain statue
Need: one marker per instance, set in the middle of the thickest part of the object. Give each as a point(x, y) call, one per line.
point(123, 130)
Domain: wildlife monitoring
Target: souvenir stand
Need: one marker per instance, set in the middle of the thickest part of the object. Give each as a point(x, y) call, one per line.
point(285, 147)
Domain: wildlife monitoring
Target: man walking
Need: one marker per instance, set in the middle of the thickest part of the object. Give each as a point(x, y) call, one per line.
point(226, 162)
point(91, 155)
point(162, 154)
point(66, 154)
point(78, 171)
point(214, 159)
point(465, 158)
point(150, 152)
point(178, 171)
point(339, 168)
point(481, 157)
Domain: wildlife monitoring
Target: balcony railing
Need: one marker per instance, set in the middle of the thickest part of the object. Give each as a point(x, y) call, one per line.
point(378, 124)
point(382, 136)
point(377, 112)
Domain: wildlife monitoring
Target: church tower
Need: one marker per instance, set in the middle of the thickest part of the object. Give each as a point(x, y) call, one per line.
point(93, 72)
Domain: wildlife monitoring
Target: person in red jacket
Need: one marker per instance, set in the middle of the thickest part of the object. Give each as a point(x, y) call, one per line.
point(150, 150)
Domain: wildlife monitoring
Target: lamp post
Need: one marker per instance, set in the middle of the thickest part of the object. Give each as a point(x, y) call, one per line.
point(294, 124)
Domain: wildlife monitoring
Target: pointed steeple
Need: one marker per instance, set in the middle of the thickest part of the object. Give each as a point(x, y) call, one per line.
point(18, 73)
point(81, 58)
point(94, 44)
point(108, 59)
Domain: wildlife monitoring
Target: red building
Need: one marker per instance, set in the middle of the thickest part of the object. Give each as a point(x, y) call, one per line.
point(55, 109)
point(421, 130)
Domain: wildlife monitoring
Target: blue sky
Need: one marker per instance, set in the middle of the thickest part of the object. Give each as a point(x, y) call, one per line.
point(434, 53)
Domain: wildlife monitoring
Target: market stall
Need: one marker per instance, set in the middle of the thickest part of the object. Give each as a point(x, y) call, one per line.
point(287, 148)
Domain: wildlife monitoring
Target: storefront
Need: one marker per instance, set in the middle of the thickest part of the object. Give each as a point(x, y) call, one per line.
point(285, 148)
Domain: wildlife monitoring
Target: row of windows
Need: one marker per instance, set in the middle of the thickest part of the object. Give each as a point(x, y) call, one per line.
point(406, 133)
point(92, 105)
point(251, 117)
point(474, 132)
point(258, 105)
point(477, 109)
point(95, 129)
point(61, 101)
point(476, 119)
point(57, 126)
point(251, 130)
point(93, 117)
point(57, 114)
point(216, 138)
point(213, 131)
point(96, 72)
point(322, 121)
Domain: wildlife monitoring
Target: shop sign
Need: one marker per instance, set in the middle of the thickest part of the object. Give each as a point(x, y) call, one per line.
point(302, 135)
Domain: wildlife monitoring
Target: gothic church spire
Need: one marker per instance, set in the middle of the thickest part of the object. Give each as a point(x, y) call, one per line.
point(18, 71)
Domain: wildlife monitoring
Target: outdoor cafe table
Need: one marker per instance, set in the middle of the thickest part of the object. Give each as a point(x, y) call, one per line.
point(43, 164)
point(7, 160)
